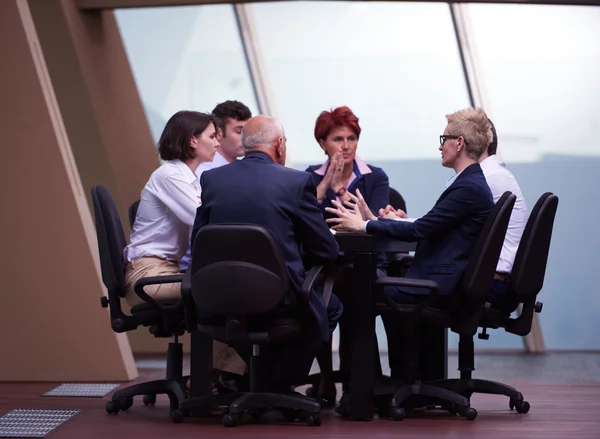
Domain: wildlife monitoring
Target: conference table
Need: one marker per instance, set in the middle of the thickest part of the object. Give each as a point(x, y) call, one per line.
point(363, 250)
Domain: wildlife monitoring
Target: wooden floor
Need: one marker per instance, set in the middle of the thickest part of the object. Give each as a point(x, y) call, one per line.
point(558, 410)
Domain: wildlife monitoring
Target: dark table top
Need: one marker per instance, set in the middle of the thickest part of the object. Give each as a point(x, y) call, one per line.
point(363, 243)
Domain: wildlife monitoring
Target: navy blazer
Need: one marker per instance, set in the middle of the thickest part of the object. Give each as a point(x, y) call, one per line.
point(256, 190)
point(447, 233)
point(374, 186)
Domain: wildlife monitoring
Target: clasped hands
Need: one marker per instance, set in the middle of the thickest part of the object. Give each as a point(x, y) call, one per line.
point(352, 215)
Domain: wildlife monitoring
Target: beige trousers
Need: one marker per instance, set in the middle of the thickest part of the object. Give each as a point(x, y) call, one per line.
point(224, 357)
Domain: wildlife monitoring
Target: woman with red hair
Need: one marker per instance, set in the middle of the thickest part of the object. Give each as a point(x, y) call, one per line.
point(337, 132)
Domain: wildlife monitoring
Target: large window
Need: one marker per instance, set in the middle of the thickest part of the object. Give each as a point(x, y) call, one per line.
point(187, 58)
point(540, 66)
point(396, 65)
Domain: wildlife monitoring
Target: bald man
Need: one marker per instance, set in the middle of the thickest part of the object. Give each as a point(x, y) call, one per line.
point(259, 189)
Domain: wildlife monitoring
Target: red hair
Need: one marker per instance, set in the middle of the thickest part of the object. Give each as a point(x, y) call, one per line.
point(328, 120)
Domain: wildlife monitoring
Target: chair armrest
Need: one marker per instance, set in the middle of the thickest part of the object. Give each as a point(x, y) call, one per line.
point(329, 272)
point(309, 281)
point(156, 280)
point(432, 286)
point(189, 307)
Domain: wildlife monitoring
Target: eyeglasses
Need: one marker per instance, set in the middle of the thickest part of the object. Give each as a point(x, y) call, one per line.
point(445, 137)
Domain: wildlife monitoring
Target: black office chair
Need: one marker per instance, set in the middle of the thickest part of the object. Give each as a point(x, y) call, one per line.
point(462, 316)
point(132, 212)
point(238, 272)
point(398, 263)
point(526, 281)
point(163, 318)
point(397, 200)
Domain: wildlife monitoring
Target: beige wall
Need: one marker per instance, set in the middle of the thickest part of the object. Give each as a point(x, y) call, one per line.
point(104, 117)
point(53, 328)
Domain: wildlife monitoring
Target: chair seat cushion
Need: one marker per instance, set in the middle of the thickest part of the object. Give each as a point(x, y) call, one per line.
point(159, 326)
point(147, 308)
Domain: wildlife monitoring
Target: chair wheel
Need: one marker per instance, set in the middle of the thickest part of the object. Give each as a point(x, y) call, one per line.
point(397, 413)
point(511, 404)
point(313, 420)
point(149, 399)
point(229, 420)
point(522, 406)
point(112, 407)
point(125, 403)
point(177, 416)
point(469, 413)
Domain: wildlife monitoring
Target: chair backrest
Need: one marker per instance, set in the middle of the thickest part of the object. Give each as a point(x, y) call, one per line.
point(479, 274)
point(529, 268)
point(397, 200)
point(111, 242)
point(237, 270)
point(132, 212)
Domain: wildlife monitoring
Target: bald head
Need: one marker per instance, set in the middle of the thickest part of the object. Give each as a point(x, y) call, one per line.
point(261, 132)
point(265, 134)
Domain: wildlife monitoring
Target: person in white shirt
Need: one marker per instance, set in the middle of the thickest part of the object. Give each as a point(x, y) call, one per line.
point(500, 180)
point(230, 118)
point(163, 225)
point(162, 228)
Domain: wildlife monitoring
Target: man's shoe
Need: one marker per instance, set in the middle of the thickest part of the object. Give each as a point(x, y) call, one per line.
point(228, 382)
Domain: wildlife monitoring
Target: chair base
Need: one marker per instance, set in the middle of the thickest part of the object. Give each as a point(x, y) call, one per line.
point(293, 406)
point(468, 386)
point(430, 392)
point(123, 399)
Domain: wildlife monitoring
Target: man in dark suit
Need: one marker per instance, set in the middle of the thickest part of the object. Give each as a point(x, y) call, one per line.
point(448, 233)
point(260, 190)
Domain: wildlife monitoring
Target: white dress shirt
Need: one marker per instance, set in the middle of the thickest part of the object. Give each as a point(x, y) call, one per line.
point(167, 210)
point(217, 162)
point(500, 180)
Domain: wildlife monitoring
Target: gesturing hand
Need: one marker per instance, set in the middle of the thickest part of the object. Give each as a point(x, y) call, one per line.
point(347, 219)
point(359, 203)
point(337, 168)
point(390, 213)
point(332, 176)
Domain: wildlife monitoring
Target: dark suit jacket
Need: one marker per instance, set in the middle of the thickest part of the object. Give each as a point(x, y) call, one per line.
point(447, 233)
point(374, 186)
point(257, 190)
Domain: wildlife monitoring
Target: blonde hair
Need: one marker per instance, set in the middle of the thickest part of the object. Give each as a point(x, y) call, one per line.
point(474, 126)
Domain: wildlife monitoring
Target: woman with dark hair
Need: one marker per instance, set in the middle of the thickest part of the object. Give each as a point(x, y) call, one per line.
point(162, 228)
point(337, 132)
